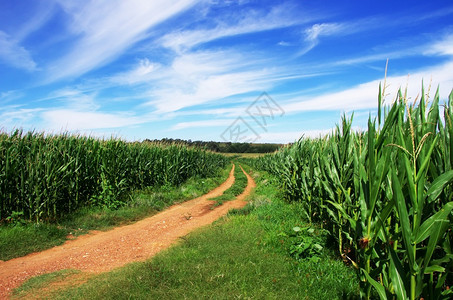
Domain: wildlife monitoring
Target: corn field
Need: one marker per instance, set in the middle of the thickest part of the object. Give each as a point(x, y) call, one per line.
point(385, 195)
point(46, 177)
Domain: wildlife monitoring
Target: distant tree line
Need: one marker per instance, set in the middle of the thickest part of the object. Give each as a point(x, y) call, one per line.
point(222, 147)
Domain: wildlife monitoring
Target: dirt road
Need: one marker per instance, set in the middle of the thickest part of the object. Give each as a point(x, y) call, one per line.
point(106, 250)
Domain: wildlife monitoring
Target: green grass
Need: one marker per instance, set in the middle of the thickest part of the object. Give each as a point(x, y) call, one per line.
point(246, 155)
point(236, 189)
point(41, 282)
point(20, 240)
point(241, 256)
point(23, 237)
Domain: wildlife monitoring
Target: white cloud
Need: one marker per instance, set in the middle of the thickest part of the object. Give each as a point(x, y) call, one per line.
point(220, 77)
point(364, 96)
point(203, 124)
point(76, 99)
point(203, 77)
point(248, 22)
point(11, 53)
point(107, 28)
point(78, 110)
point(317, 30)
point(374, 57)
point(291, 136)
point(284, 44)
point(9, 96)
point(231, 112)
point(17, 117)
point(143, 72)
point(43, 12)
point(204, 90)
point(72, 120)
point(313, 34)
point(442, 47)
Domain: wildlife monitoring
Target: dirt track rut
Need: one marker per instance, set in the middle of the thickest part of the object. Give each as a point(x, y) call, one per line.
point(102, 251)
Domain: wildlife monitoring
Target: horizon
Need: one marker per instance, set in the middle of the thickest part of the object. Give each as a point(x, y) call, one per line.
point(237, 71)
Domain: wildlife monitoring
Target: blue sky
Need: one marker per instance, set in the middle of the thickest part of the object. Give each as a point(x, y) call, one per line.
point(197, 70)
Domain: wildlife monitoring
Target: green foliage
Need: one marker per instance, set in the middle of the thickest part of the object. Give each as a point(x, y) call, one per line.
point(16, 218)
point(47, 177)
point(384, 194)
point(304, 243)
point(18, 240)
point(223, 147)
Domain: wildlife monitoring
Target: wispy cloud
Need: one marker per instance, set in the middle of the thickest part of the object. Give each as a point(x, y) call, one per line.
point(201, 77)
point(442, 47)
point(13, 54)
point(206, 76)
point(292, 136)
point(364, 96)
point(144, 71)
point(284, 44)
point(18, 117)
point(213, 88)
point(202, 124)
point(73, 120)
point(240, 23)
point(394, 50)
point(313, 34)
point(107, 28)
point(12, 51)
point(9, 96)
point(75, 99)
point(44, 11)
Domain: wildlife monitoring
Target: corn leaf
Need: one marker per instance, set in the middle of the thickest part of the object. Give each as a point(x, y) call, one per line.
point(426, 229)
point(438, 185)
point(379, 287)
point(437, 231)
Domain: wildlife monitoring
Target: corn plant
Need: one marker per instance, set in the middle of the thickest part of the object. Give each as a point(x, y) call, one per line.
point(384, 194)
point(46, 177)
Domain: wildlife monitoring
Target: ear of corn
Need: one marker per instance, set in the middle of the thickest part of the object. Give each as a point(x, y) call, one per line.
point(46, 177)
point(386, 195)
